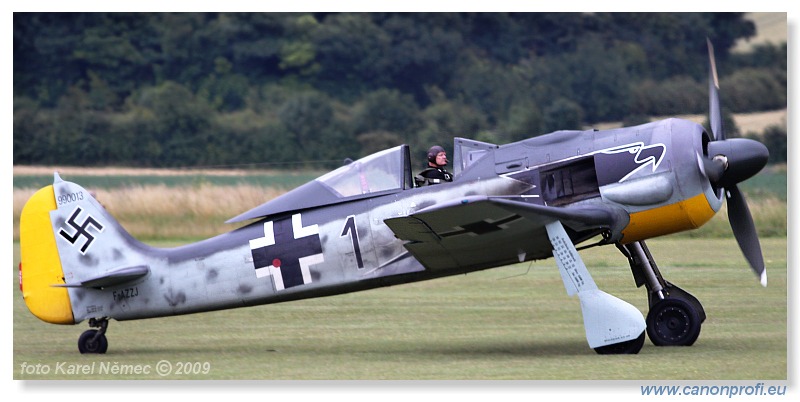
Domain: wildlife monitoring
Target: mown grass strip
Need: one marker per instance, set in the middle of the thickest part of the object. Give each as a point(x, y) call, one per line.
point(514, 322)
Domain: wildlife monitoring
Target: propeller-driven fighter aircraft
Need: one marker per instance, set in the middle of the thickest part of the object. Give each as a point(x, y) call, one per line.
point(366, 225)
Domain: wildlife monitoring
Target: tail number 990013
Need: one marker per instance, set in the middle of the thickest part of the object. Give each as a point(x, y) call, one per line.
point(67, 198)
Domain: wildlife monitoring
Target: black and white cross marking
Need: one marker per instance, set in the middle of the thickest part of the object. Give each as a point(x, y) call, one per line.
point(286, 252)
point(482, 227)
point(81, 230)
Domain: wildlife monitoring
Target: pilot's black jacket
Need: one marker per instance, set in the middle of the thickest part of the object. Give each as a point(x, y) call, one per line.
point(433, 175)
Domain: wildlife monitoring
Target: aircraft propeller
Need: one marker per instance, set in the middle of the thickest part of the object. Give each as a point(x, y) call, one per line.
point(731, 161)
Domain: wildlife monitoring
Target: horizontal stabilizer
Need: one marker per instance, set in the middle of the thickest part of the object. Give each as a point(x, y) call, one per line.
point(116, 277)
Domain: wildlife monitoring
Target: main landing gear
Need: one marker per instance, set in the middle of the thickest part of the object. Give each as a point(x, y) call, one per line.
point(613, 326)
point(675, 316)
point(94, 340)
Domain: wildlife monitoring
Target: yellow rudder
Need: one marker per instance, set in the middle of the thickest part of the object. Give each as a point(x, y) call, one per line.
point(40, 269)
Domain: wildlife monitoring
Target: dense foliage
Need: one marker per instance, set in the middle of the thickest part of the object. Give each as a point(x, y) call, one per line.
point(190, 89)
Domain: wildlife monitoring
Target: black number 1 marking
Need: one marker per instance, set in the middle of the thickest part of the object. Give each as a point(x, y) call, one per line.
point(350, 229)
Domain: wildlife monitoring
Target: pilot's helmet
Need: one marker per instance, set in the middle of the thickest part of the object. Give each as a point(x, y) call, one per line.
point(433, 152)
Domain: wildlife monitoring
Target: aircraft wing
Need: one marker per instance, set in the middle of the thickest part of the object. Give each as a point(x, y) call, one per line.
point(480, 231)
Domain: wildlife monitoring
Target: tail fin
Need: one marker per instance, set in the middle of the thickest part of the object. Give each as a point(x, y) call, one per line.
point(68, 240)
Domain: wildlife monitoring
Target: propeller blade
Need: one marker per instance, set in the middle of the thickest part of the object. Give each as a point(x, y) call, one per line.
point(730, 162)
point(745, 232)
point(715, 114)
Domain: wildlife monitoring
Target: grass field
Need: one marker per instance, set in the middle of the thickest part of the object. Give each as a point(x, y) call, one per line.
point(514, 322)
point(770, 28)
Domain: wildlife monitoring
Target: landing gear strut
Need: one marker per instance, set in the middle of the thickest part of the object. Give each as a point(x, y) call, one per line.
point(613, 326)
point(675, 316)
point(94, 340)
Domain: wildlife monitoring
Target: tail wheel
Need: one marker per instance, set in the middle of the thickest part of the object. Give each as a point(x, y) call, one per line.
point(92, 342)
point(673, 322)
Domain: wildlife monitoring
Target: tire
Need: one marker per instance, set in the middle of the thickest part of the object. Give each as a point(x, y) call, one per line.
point(673, 322)
point(86, 345)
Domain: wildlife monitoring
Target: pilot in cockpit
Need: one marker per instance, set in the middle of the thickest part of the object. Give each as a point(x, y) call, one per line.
point(436, 171)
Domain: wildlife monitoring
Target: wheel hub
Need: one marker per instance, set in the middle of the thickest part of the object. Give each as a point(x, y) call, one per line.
point(673, 322)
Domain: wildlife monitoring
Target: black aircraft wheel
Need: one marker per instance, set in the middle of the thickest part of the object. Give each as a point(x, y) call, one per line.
point(87, 343)
point(631, 347)
point(673, 322)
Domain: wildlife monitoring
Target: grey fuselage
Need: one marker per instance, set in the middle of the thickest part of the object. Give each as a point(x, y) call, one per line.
point(307, 243)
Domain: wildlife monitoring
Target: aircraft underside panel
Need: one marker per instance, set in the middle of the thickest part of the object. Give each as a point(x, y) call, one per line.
point(482, 232)
point(471, 236)
point(475, 251)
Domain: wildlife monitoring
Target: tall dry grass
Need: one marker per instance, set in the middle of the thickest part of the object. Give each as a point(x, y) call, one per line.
point(159, 212)
point(769, 215)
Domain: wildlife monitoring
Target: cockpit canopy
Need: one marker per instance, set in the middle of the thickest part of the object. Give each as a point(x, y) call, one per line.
point(384, 172)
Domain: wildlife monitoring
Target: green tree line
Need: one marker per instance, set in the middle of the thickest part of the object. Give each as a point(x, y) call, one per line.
point(278, 89)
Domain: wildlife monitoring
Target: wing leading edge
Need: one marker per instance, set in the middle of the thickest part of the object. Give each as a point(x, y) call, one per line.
point(484, 231)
